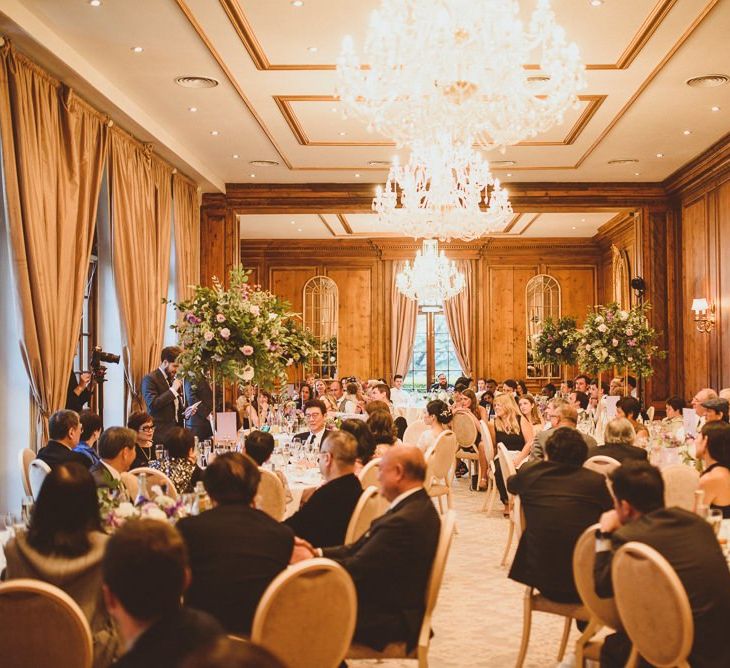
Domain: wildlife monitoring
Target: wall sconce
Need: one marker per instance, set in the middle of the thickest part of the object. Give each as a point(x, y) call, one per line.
point(704, 315)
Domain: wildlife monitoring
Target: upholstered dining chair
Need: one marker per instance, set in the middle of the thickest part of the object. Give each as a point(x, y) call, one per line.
point(155, 477)
point(41, 625)
point(602, 611)
point(398, 650)
point(271, 495)
point(680, 483)
point(370, 506)
point(37, 472)
point(440, 462)
point(491, 495)
point(413, 432)
point(369, 473)
point(601, 464)
point(653, 606)
point(507, 469)
point(25, 457)
point(465, 428)
point(306, 616)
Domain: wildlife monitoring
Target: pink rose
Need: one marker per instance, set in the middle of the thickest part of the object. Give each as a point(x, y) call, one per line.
point(220, 317)
point(225, 333)
point(247, 350)
point(255, 310)
point(208, 336)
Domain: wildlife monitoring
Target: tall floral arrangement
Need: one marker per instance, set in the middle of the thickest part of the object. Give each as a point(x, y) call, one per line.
point(240, 334)
point(557, 342)
point(613, 337)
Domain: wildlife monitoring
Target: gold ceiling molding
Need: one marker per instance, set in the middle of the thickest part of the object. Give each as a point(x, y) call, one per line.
point(287, 111)
point(253, 46)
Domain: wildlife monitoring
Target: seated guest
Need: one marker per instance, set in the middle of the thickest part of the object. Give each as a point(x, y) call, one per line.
point(713, 448)
point(353, 400)
point(441, 384)
point(549, 390)
point(90, 430)
point(675, 418)
point(509, 386)
point(116, 449)
point(381, 393)
point(487, 403)
point(145, 571)
point(259, 410)
point(365, 445)
point(630, 408)
point(716, 410)
point(560, 499)
point(305, 395)
point(229, 653)
point(315, 413)
point(579, 400)
point(64, 429)
point(391, 563)
point(437, 417)
point(382, 428)
point(529, 410)
point(703, 395)
point(180, 465)
point(686, 541)
point(559, 414)
point(398, 395)
point(322, 390)
point(235, 550)
point(259, 445)
point(323, 519)
point(141, 423)
point(64, 545)
point(619, 442)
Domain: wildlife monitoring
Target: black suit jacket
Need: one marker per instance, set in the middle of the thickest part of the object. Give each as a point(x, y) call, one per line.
point(324, 518)
point(689, 544)
point(76, 402)
point(199, 422)
point(161, 404)
point(55, 453)
point(619, 451)
point(559, 503)
point(235, 552)
point(390, 565)
point(169, 641)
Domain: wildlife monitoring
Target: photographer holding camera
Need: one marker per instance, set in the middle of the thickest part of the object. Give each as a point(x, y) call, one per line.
point(163, 394)
point(78, 394)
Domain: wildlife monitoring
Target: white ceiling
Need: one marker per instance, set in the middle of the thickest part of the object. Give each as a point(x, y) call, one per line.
point(273, 101)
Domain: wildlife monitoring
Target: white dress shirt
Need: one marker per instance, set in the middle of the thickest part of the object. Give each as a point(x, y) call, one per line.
point(315, 438)
point(399, 396)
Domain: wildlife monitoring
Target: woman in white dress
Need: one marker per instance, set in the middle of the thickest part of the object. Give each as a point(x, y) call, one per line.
point(437, 417)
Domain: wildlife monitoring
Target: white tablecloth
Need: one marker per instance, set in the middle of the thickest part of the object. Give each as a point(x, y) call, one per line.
point(299, 481)
point(410, 413)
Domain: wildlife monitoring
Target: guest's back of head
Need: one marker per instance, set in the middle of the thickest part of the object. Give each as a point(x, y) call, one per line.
point(342, 446)
point(630, 407)
point(179, 442)
point(259, 445)
point(365, 445)
point(232, 478)
point(380, 423)
point(228, 653)
point(620, 431)
point(114, 440)
point(61, 422)
point(566, 446)
point(638, 483)
point(90, 423)
point(718, 441)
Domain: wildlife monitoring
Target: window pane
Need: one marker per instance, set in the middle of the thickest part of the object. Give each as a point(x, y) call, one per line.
point(416, 377)
point(446, 360)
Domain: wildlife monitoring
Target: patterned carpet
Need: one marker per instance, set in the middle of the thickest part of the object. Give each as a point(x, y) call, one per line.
point(478, 618)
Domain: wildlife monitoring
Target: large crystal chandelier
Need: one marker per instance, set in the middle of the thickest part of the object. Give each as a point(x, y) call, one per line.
point(431, 278)
point(439, 193)
point(458, 66)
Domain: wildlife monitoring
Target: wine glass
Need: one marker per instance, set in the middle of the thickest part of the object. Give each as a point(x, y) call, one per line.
point(10, 521)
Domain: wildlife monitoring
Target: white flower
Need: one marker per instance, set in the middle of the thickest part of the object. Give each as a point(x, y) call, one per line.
point(272, 316)
point(125, 510)
point(208, 336)
point(599, 318)
point(290, 361)
point(602, 328)
point(588, 348)
point(220, 317)
point(629, 332)
point(255, 331)
point(267, 343)
point(248, 372)
point(614, 342)
point(164, 501)
point(558, 350)
point(225, 333)
point(623, 315)
point(255, 310)
point(153, 512)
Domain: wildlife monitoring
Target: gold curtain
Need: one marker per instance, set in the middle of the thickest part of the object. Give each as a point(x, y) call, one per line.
point(54, 148)
point(403, 326)
point(141, 225)
point(458, 312)
point(186, 210)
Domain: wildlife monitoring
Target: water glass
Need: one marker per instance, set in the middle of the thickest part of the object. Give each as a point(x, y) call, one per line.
point(26, 509)
point(159, 452)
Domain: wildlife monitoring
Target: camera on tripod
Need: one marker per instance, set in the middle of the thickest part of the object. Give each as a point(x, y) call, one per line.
point(96, 366)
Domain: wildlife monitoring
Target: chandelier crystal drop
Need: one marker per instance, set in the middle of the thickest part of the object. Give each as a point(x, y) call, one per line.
point(458, 66)
point(440, 193)
point(431, 278)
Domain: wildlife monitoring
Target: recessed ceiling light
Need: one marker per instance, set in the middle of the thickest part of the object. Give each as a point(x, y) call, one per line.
point(235, 156)
point(509, 173)
point(637, 173)
point(297, 3)
point(357, 176)
point(253, 176)
point(191, 81)
point(215, 133)
point(343, 133)
point(573, 228)
point(715, 108)
point(299, 229)
point(312, 49)
point(659, 155)
point(596, 3)
point(291, 222)
point(687, 132)
point(95, 3)
point(582, 220)
point(137, 49)
point(263, 163)
point(192, 109)
point(333, 109)
point(708, 81)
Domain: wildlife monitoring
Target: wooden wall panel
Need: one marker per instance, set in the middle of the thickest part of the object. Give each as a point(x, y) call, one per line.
point(212, 242)
point(722, 299)
point(288, 283)
point(578, 288)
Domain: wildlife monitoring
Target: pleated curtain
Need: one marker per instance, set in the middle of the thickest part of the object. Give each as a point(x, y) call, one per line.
point(186, 217)
point(404, 313)
point(141, 226)
point(53, 148)
point(458, 312)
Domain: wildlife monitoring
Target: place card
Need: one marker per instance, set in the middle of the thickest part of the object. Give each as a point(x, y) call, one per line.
point(611, 402)
point(690, 419)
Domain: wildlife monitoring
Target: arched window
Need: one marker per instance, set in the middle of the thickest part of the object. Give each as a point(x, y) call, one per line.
point(542, 301)
point(321, 302)
point(620, 272)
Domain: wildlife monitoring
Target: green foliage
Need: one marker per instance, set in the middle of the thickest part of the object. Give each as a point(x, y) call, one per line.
point(557, 342)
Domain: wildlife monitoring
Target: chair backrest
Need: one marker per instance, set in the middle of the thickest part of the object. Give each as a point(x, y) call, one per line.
point(369, 473)
point(653, 605)
point(584, 557)
point(130, 482)
point(37, 472)
point(441, 457)
point(306, 616)
point(506, 465)
point(487, 440)
point(155, 477)
point(41, 625)
point(271, 496)
point(464, 427)
point(650, 413)
point(680, 483)
point(370, 506)
point(601, 464)
point(25, 457)
point(413, 432)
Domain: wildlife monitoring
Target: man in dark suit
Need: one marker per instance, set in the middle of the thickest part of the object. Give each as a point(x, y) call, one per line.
point(391, 563)
point(323, 518)
point(163, 394)
point(686, 541)
point(197, 414)
point(560, 414)
point(620, 436)
point(117, 452)
point(64, 429)
point(315, 412)
point(235, 550)
point(145, 572)
point(560, 499)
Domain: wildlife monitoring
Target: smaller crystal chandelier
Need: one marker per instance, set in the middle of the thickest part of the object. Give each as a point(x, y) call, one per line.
point(440, 193)
point(431, 278)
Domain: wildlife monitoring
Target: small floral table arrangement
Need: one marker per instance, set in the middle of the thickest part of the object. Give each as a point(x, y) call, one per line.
point(115, 510)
